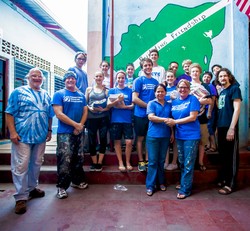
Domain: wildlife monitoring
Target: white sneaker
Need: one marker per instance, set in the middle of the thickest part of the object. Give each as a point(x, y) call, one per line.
point(172, 167)
point(61, 193)
point(82, 185)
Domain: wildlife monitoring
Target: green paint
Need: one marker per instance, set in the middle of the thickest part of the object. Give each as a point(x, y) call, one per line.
point(193, 44)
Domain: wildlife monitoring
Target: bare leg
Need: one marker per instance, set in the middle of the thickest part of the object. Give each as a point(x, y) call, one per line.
point(139, 147)
point(118, 151)
point(100, 158)
point(128, 151)
point(175, 153)
point(94, 159)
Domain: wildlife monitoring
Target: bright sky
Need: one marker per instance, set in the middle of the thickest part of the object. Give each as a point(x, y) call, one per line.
point(72, 15)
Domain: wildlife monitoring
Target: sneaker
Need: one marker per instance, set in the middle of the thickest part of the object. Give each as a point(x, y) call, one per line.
point(61, 193)
point(98, 167)
point(141, 166)
point(146, 163)
point(172, 167)
point(20, 207)
point(92, 167)
point(36, 193)
point(83, 185)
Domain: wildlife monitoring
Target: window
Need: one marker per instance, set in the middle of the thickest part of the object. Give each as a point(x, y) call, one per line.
point(21, 70)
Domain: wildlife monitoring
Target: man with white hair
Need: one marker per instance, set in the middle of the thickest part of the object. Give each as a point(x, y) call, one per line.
point(29, 119)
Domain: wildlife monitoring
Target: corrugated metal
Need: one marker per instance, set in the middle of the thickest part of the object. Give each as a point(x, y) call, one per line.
point(40, 14)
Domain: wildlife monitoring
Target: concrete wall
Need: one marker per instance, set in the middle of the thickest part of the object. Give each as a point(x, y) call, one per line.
point(228, 47)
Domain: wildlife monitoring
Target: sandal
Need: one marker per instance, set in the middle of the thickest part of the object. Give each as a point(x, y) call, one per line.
point(122, 168)
point(225, 190)
point(129, 168)
point(149, 192)
point(207, 147)
point(177, 187)
point(203, 168)
point(181, 196)
point(163, 187)
point(212, 150)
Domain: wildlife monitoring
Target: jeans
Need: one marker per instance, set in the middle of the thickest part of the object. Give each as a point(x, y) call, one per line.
point(187, 153)
point(157, 149)
point(70, 159)
point(26, 161)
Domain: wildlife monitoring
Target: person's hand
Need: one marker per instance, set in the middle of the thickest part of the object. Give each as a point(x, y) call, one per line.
point(49, 135)
point(76, 132)
point(170, 122)
point(230, 134)
point(79, 127)
point(15, 138)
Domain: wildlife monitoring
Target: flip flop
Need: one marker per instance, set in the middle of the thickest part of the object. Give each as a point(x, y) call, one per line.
point(181, 196)
point(177, 187)
point(203, 168)
point(122, 168)
point(129, 168)
point(225, 190)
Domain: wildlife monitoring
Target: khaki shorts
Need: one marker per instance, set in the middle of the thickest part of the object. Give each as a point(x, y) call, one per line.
point(204, 134)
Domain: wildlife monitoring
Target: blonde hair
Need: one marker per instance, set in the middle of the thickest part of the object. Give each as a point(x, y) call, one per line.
point(197, 65)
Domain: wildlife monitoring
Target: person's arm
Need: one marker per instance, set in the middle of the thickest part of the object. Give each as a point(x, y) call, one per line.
point(115, 102)
point(65, 119)
point(83, 120)
point(122, 105)
point(234, 121)
point(210, 108)
point(192, 117)
point(204, 100)
point(152, 117)
point(49, 134)
point(137, 100)
point(14, 137)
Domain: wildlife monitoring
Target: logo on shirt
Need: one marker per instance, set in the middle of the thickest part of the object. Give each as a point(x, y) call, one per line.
point(221, 102)
point(180, 107)
point(73, 99)
point(149, 86)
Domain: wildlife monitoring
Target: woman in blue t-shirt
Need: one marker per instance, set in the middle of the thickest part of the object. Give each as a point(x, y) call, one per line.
point(185, 111)
point(158, 137)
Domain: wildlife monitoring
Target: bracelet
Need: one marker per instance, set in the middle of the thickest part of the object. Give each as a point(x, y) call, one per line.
point(49, 130)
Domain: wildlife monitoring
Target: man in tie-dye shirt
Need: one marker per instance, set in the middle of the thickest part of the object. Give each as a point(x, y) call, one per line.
point(29, 118)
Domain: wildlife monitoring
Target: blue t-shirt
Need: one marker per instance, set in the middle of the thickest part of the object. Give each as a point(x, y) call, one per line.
point(183, 76)
point(73, 104)
point(145, 87)
point(182, 109)
point(82, 78)
point(31, 111)
point(122, 115)
point(225, 105)
point(159, 129)
point(169, 90)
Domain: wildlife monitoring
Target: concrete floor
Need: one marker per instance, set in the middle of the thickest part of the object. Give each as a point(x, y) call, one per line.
point(101, 208)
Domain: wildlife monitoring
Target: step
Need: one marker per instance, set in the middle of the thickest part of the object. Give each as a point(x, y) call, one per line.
point(111, 175)
point(111, 159)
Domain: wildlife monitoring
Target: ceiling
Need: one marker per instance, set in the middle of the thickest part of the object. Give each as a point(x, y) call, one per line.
point(37, 11)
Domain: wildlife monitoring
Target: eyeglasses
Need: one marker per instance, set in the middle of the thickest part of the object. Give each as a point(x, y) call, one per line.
point(183, 88)
point(36, 76)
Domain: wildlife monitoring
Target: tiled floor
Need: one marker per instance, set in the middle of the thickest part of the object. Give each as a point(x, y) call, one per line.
point(100, 207)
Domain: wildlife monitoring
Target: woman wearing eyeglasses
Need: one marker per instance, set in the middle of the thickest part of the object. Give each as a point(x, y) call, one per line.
point(185, 111)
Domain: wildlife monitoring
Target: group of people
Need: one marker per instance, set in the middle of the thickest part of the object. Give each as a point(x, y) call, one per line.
point(155, 108)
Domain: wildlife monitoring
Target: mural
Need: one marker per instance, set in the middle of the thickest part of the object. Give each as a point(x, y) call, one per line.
point(207, 32)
